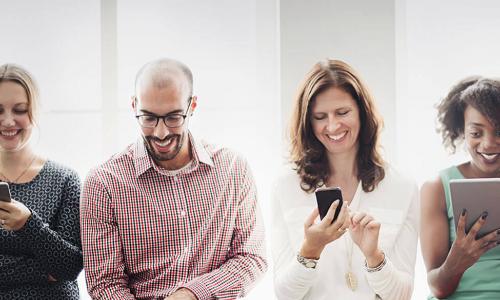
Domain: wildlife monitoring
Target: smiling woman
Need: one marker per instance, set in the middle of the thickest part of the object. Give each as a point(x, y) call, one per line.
point(334, 143)
point(458, 263)
point(40, 251)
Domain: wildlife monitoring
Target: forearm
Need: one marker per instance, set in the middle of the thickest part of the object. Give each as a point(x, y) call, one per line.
point(294, 280)
point(443, 281)
point(59, 258)
point(231, 280)
point(16, 270)
point(390, 283)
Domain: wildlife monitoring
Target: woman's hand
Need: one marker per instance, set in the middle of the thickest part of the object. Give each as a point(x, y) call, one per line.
point(318, 235)
point(466, 249)
point(13, 215)
point(364, 232)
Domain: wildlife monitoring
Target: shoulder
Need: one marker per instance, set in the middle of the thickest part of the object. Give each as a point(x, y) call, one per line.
point(223, 156)
point(432, 194)
point(60, 170)
point(397, 184)
point(287, 178)
point(114, 166)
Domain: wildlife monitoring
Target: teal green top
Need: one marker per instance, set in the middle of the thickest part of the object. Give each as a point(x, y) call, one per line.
point(482, 280)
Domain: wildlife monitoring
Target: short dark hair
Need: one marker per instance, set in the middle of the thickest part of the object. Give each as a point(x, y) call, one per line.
point(308, 154)
point(481, 93)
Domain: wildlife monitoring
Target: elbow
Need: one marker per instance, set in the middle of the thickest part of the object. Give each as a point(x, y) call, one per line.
point(440, 293)
point(69, 269)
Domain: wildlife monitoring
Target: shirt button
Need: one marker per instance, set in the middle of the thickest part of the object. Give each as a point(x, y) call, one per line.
point(176, 178)
point(183, 213)
point(186, 249)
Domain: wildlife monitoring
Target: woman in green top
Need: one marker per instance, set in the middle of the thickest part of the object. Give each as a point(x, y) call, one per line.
point(459, 265)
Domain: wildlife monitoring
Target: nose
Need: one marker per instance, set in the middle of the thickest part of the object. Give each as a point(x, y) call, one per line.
point(333, 124)
point(7, 120)
point(161, 130)
point(491, 141)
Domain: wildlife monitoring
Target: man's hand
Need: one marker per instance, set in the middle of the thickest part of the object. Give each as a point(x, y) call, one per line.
point(182, 294)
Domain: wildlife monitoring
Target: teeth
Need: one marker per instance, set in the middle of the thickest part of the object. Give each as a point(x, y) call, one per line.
point(338, 136)
point(164, 143)
point(9, 133)
point(490, 156)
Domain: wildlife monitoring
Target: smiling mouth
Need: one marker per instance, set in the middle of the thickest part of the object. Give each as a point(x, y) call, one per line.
point(337, 137)
point(165, 143)
point(9, 133)
point(489, 156)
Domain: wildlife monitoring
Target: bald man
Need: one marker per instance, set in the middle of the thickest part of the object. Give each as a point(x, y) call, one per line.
point(170, 217)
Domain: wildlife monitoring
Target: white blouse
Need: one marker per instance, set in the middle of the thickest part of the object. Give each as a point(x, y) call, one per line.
point(394, 203)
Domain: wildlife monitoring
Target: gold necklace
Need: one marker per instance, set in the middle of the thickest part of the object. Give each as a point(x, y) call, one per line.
point(350, 278)
point(22, 173)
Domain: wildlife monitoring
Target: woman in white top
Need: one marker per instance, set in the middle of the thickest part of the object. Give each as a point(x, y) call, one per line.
point(334, 142)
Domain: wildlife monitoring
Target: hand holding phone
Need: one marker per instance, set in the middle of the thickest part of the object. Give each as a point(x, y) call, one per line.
point(325, 197)
point(4, 192)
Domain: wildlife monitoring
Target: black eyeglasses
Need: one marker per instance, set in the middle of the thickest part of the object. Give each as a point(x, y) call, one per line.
point(172, 120)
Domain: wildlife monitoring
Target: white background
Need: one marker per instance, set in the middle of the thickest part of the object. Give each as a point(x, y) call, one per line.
point(248, 58)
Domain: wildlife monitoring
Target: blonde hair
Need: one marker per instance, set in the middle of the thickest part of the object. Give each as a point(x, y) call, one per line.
point(19, 75)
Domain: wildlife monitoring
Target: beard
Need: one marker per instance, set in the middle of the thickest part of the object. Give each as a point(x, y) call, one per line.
point(177, 139)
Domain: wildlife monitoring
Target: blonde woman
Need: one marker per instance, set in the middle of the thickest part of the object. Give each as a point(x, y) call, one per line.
point(40, 249)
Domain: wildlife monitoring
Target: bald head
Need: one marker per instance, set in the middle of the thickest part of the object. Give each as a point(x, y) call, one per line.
point(164, 73)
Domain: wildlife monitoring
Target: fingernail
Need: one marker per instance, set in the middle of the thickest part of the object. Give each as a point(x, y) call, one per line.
point(464, 211)
point(485, 214)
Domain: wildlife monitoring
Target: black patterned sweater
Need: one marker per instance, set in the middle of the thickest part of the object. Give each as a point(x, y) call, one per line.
point(49, 243)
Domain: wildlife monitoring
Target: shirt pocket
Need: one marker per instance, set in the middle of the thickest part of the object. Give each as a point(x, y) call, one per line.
point(391, 221)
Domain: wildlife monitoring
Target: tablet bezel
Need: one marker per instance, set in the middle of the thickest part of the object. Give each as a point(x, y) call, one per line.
point(477, 195)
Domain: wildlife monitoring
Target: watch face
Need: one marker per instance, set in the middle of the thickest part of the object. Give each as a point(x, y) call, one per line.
point(310, 264)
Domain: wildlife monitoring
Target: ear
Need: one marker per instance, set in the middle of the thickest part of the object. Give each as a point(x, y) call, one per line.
point(194, 103)
point(134, 103)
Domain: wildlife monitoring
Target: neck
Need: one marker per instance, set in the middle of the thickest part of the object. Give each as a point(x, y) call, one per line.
point(343, 167)
point(12, 160)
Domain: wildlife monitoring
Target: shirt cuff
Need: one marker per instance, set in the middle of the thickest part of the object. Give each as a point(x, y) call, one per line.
point(198, 288)
point(32, 226)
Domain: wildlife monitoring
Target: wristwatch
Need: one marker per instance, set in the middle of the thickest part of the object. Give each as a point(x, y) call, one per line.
point(309, 263)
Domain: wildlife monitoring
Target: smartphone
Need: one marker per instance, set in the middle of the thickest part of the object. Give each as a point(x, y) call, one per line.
point(4, 192)
point(325, 197)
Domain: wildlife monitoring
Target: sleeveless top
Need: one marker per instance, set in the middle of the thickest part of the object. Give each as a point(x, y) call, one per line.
point(482, 280)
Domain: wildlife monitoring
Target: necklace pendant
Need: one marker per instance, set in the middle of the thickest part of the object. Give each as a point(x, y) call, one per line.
point(351, 280)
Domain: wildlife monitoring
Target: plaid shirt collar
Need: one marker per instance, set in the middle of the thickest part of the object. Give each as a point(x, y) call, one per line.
point(143, 161)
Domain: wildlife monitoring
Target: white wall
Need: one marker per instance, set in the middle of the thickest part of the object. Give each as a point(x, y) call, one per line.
point(439, 43)
point(248, 58)
point(359, 32)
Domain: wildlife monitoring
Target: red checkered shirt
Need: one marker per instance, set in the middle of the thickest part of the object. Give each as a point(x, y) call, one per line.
point(147, 231)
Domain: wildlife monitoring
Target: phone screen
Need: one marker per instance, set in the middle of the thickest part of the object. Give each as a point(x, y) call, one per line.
point(4, 192)
point(325, 197)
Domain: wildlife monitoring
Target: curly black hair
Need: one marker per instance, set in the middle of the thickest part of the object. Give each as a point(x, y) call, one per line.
point(481, 93)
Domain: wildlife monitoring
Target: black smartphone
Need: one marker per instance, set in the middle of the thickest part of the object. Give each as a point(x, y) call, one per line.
point(4, 192)
point(325, 197)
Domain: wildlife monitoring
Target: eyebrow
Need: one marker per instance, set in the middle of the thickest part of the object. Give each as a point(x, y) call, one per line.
point(177, 111)
point(18, 104)
point(475, 124)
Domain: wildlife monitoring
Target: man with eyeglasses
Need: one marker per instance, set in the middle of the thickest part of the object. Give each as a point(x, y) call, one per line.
point(171, 217)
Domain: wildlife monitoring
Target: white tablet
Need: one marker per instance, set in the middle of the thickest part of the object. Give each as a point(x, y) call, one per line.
point(476, 196)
